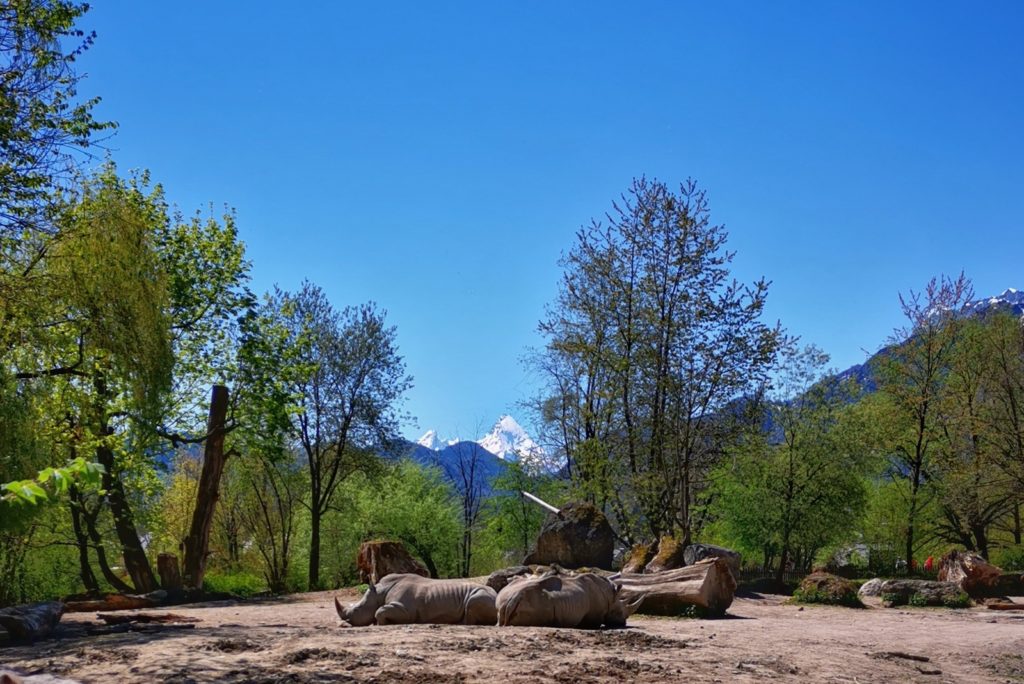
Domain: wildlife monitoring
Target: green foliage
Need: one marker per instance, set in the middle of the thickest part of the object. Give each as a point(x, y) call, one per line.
point(1010, 558)
point(42, 123)
point(649, 340)
point(405, 502)
point(960, 600)
point(803, 485)
point(918, 600)
point(894, 599)
point(242, 584)
point(827, 589)
point(79, 471)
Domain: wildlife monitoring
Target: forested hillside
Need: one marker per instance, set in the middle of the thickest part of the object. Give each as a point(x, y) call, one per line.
point(134, 350)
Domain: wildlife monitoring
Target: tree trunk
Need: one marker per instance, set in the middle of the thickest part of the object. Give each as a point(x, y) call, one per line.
point(82, 542)
point(135, 561)
point(314, 549)
point(197, 542)
point(170, 575)
point(89, 518)
point(708, 585)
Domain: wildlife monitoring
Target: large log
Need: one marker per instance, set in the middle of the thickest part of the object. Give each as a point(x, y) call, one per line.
point(707, 585)
point(379, 558)
point(113, 602)
point(31, 621)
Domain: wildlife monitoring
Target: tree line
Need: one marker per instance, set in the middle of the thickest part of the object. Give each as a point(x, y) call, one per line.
point(134, 350)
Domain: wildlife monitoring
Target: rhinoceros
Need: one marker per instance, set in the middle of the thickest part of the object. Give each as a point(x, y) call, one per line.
point(412, 599)
point(553, 600)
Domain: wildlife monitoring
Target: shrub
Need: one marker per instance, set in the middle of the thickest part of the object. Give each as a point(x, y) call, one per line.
point(918, 600)
point(960, 600)
point(894, 599)
point(828, 589)
point(1010, 558)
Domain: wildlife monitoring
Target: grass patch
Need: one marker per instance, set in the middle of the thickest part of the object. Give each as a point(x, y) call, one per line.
point(242, 584)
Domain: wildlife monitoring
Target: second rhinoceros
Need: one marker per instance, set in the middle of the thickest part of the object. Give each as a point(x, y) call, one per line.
point(411, 599)
point(554, 600)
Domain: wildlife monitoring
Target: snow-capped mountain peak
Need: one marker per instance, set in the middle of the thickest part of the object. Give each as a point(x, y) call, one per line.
point(508, 440)
point(432, 441)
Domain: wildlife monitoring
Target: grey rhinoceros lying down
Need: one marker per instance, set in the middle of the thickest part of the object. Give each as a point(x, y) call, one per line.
point(411, 599)
point(553, 600)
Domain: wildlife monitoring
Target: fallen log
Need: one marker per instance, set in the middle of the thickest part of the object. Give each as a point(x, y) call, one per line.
point(31, 621)
point(1006, 606)
point(111, 602)
point(145, 617)
point(707, 585)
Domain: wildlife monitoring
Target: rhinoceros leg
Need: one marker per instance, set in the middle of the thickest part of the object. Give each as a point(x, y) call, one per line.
point(394, 614)
point(480, 610)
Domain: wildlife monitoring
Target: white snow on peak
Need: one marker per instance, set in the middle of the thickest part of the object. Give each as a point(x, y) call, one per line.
point(431, 441)
point(508, 440)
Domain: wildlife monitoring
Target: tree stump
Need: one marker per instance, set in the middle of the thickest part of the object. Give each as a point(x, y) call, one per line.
point(639, 556)
point(668, 557)
point(170, 574)
point(708, 586)
point(378, 559)
point(975, 575)
point(31, 621)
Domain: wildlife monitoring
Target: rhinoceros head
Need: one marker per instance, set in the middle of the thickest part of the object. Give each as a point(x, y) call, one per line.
point(620, 610)
point(361, 613)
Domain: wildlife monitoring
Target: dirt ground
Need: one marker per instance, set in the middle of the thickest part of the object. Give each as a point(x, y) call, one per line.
point(295, 639)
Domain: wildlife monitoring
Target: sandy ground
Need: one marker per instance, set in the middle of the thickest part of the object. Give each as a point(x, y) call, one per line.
point(295, 639)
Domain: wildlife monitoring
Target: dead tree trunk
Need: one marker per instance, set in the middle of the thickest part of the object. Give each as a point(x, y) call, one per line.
point(708, 585)
point(170, 574)
point(198, 540)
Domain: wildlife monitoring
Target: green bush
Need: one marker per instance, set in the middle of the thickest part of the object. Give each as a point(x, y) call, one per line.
point(828, 589)
point(892, 599)
point(918, 600)
point(961, 600)
point(240, 583)
point(1010, 558)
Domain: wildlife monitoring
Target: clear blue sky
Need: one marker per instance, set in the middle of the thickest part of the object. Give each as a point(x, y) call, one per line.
point(438, 157)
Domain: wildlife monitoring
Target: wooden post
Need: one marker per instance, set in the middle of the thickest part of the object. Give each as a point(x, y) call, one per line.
point(198, 540)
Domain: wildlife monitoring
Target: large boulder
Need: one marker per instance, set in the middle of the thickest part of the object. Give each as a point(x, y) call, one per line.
point(970, 572)
point(694, 553)
point(871, 588)
point(579, 536)
point(896, 592)
point(823, 587)
point(378, 559)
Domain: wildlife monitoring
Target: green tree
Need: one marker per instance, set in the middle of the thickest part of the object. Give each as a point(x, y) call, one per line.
point(912, 373)
point(648, 344)
point(343, 402)
point(797, 484)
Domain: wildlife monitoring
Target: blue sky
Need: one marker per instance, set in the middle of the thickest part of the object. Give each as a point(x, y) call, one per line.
point(438, 159)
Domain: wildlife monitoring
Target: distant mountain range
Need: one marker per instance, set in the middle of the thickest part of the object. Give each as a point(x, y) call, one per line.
point(484, 458)
point(1010, 301)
